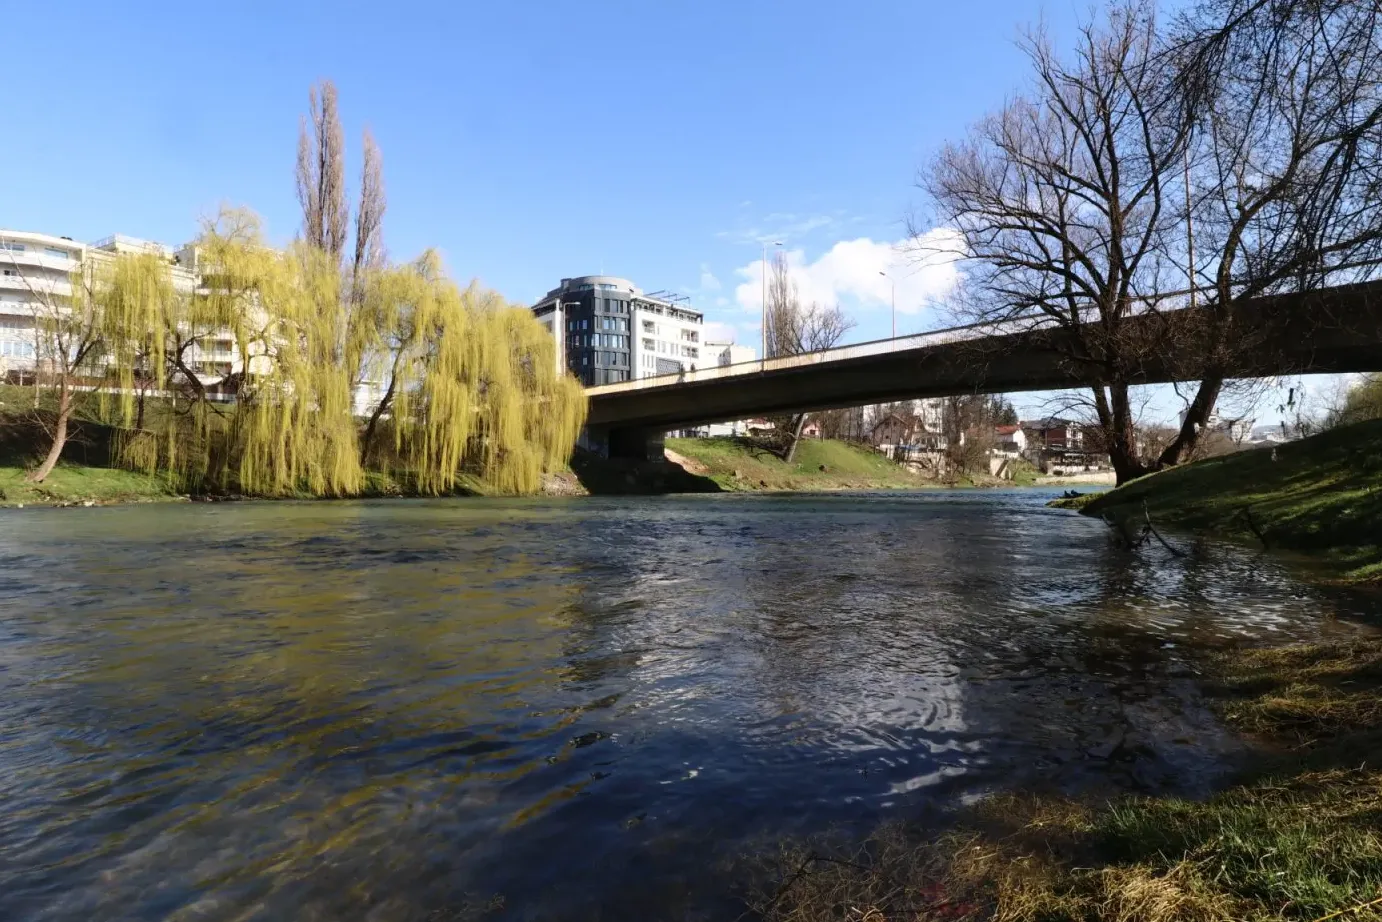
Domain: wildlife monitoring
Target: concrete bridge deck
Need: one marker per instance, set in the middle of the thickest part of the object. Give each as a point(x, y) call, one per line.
point(1331, 330)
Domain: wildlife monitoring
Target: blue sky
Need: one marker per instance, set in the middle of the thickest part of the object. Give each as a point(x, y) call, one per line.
point(657, 140)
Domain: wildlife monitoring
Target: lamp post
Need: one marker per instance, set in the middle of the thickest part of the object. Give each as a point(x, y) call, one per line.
point(763, 307)
point(894, 299)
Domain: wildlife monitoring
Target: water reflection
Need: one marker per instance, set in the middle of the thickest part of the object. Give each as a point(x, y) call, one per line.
point(395, 709)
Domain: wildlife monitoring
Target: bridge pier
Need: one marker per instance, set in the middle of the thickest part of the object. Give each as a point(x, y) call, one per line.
point(630, 443)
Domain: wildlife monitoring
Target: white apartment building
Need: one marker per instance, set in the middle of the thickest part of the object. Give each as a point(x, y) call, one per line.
point(36, 278)
point(32, 266)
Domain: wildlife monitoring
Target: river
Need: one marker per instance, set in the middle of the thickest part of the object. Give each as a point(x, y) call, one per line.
point(549, 709)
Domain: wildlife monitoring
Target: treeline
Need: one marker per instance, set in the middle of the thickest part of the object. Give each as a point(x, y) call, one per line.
point(457, 382)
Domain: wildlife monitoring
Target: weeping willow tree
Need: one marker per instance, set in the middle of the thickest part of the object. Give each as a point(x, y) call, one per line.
point(468, 385)
point(491, 399)
point(290, 427)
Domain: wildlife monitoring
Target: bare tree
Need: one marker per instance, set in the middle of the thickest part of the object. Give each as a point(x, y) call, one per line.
point(68, 337)
point(365, 346)
point(796, 329)
point(369, 213)
point(846, 424)
point(968, 423)
point(1285, 173)
point(1061, 204)
point(321, 172)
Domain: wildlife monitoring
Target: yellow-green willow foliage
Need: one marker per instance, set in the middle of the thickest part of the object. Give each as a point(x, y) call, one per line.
point(470, 386)
point(492, 399)
point(292, 427)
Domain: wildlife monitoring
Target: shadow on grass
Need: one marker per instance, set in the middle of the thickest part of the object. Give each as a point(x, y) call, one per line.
point(620, 477)
point(24, 438)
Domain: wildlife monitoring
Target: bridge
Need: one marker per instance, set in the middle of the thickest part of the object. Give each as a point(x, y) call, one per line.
point(1336, 329)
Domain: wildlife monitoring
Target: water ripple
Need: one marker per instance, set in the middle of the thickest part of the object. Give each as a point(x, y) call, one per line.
point(397, 710)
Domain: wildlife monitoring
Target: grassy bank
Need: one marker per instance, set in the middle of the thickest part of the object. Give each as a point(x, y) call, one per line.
point(820, 464)
point(71, 483)
point(1299, 838)
point(1320, 496)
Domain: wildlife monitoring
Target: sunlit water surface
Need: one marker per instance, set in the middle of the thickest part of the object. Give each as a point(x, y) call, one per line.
point(575, 709)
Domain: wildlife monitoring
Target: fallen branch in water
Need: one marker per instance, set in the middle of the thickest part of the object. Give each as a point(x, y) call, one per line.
point(1156, 534)
point(1121, 527)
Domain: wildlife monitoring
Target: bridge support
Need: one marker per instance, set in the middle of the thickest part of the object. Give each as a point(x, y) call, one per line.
point(627, 443)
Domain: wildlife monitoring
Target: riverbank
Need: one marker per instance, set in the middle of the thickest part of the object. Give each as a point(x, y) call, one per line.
point(80, 485)
point(741, 465)
point(1320, 498)
point(1294, 838)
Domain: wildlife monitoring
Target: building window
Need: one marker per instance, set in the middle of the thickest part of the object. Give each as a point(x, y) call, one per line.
point(60, 254)
point(649, 327)
point(13, 247)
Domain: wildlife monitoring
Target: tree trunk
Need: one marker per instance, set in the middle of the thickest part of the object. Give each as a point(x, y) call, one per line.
point(797, 426)
point(367, 440)
point(1196, 417)
point(1120, 438)
point(59, 437)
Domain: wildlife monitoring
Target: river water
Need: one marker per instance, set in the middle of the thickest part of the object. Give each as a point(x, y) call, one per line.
point(587, 708)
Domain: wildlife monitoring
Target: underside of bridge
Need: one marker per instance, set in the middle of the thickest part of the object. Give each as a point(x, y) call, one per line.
point(1331, 330)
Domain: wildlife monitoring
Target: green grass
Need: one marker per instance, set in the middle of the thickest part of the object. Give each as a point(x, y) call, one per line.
point(70, 483)
point(1320, 496)
point(820, 464)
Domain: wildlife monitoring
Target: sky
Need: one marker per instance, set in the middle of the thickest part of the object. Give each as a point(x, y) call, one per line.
point(665, 141)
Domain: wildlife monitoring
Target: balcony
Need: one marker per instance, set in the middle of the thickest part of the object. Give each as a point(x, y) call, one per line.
point(44, 285)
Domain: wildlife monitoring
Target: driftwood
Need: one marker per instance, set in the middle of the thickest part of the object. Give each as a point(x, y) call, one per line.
point(1156, 534)
point(1133, 542)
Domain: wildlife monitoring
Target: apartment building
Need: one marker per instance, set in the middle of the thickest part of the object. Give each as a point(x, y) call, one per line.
point(609, 330)
point(32, 266)
point(36, 278)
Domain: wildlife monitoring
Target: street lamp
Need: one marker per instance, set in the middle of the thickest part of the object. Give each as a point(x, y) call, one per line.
point(894, 287)
point(763, 306)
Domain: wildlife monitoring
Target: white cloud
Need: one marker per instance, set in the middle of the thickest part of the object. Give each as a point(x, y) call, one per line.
point(848, 274)
point(708, 280)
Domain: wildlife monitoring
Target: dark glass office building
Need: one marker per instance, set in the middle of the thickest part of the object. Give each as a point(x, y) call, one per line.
point(595, 319)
